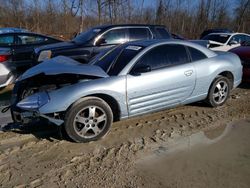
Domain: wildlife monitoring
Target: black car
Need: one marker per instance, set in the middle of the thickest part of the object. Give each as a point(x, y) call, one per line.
point(21, 45)
point(218, 30)
point(87, 44)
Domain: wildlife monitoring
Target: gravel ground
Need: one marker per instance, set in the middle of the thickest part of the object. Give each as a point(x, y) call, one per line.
point(37, 157)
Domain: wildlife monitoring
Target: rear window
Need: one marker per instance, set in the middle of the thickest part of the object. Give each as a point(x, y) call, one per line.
point(6, 40)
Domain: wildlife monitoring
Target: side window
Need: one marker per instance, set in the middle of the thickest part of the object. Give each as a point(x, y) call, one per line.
point(238, 38)
point(247, 38)
point(6, 40)
point(116, 36)
point(164, 56)
point(30, 39)
point(139, 34)
point(196, 55)
point(162, 33)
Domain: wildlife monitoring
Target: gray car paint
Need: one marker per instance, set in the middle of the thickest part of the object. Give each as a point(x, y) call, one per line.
point(152, 91)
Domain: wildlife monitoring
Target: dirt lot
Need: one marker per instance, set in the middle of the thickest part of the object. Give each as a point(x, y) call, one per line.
point(149, 151)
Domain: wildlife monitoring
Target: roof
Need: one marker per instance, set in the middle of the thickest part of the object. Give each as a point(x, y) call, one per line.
point(12, 30)
point(152, 42)
point(127, 25)
point(227, 33)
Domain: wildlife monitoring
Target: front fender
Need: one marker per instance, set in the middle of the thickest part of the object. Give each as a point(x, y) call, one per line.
point(62, 99)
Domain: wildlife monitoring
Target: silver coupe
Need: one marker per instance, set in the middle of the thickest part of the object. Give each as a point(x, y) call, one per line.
point(129, 80)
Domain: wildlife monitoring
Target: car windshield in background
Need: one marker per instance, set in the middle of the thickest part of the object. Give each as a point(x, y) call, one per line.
point(86, 36)
point(113, 61)
point(246, 43)
point(221, 38)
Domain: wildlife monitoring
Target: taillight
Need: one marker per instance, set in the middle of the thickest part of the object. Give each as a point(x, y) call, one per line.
point(4, 58)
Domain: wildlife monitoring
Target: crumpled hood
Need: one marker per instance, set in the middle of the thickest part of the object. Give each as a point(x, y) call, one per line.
point(63, 65)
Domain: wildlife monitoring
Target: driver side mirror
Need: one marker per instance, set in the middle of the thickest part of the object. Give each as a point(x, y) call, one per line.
point(101, 41)
point(141, 69)
point(233, 42)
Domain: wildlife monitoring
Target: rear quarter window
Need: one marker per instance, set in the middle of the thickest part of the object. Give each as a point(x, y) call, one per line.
point(139, 34)
point(196, 55)
point(162, 33)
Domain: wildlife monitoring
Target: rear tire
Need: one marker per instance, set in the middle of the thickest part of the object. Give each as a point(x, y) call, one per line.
point(219, 91)
point(88, 120)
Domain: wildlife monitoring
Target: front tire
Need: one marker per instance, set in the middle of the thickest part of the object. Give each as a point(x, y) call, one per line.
point(219, 91)
point(88, 120)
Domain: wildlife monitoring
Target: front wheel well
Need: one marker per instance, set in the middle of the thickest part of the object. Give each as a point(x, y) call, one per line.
point(112, 103)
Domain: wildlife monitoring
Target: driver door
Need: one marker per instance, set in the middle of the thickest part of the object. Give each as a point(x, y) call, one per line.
point(167, 80)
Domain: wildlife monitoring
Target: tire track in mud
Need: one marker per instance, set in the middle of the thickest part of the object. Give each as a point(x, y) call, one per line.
point(29, 161)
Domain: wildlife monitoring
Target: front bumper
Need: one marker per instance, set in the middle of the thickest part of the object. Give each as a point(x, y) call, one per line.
point(28, 117)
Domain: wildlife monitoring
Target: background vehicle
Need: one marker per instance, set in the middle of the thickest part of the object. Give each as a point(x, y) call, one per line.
point(18, 52)
point(87, 44)
point(22, 45)
point(176, 36)
point(7, 70)
point(132, 79)
point(244, 53)
point(226, 41)
point(218, 30)
point(11, 30)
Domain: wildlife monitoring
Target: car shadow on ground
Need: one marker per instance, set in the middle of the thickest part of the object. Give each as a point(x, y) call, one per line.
point(244, 86)
point(40, 131)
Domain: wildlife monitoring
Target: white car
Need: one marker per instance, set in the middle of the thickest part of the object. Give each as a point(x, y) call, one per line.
point(226, 41)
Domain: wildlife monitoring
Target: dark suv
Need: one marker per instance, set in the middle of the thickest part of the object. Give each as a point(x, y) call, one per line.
point(87, 44)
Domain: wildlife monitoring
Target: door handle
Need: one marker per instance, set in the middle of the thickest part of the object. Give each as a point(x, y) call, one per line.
point(188, 73)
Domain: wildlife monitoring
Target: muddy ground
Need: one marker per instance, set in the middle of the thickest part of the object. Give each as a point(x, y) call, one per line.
point(148, 151)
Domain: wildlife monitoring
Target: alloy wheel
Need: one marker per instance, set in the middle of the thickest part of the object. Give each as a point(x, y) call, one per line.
point(90, 121)
point(220, 92)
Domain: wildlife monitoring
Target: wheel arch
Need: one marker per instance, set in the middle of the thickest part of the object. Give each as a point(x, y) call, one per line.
point(111, 101)
point(229, 75)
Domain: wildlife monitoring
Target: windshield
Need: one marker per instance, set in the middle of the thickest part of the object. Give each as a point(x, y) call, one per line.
point(246, 43)
point(114, 60)
point(86, 36)
point(221, 38)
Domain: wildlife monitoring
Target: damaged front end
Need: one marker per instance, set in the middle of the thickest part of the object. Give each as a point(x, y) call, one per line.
point(30, 106)
point(31, 91)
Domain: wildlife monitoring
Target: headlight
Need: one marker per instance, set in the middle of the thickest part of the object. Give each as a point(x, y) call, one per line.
point(44, 55)
point(34, 102)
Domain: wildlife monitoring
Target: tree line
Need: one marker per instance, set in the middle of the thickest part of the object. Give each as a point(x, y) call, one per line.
point(68, 17)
